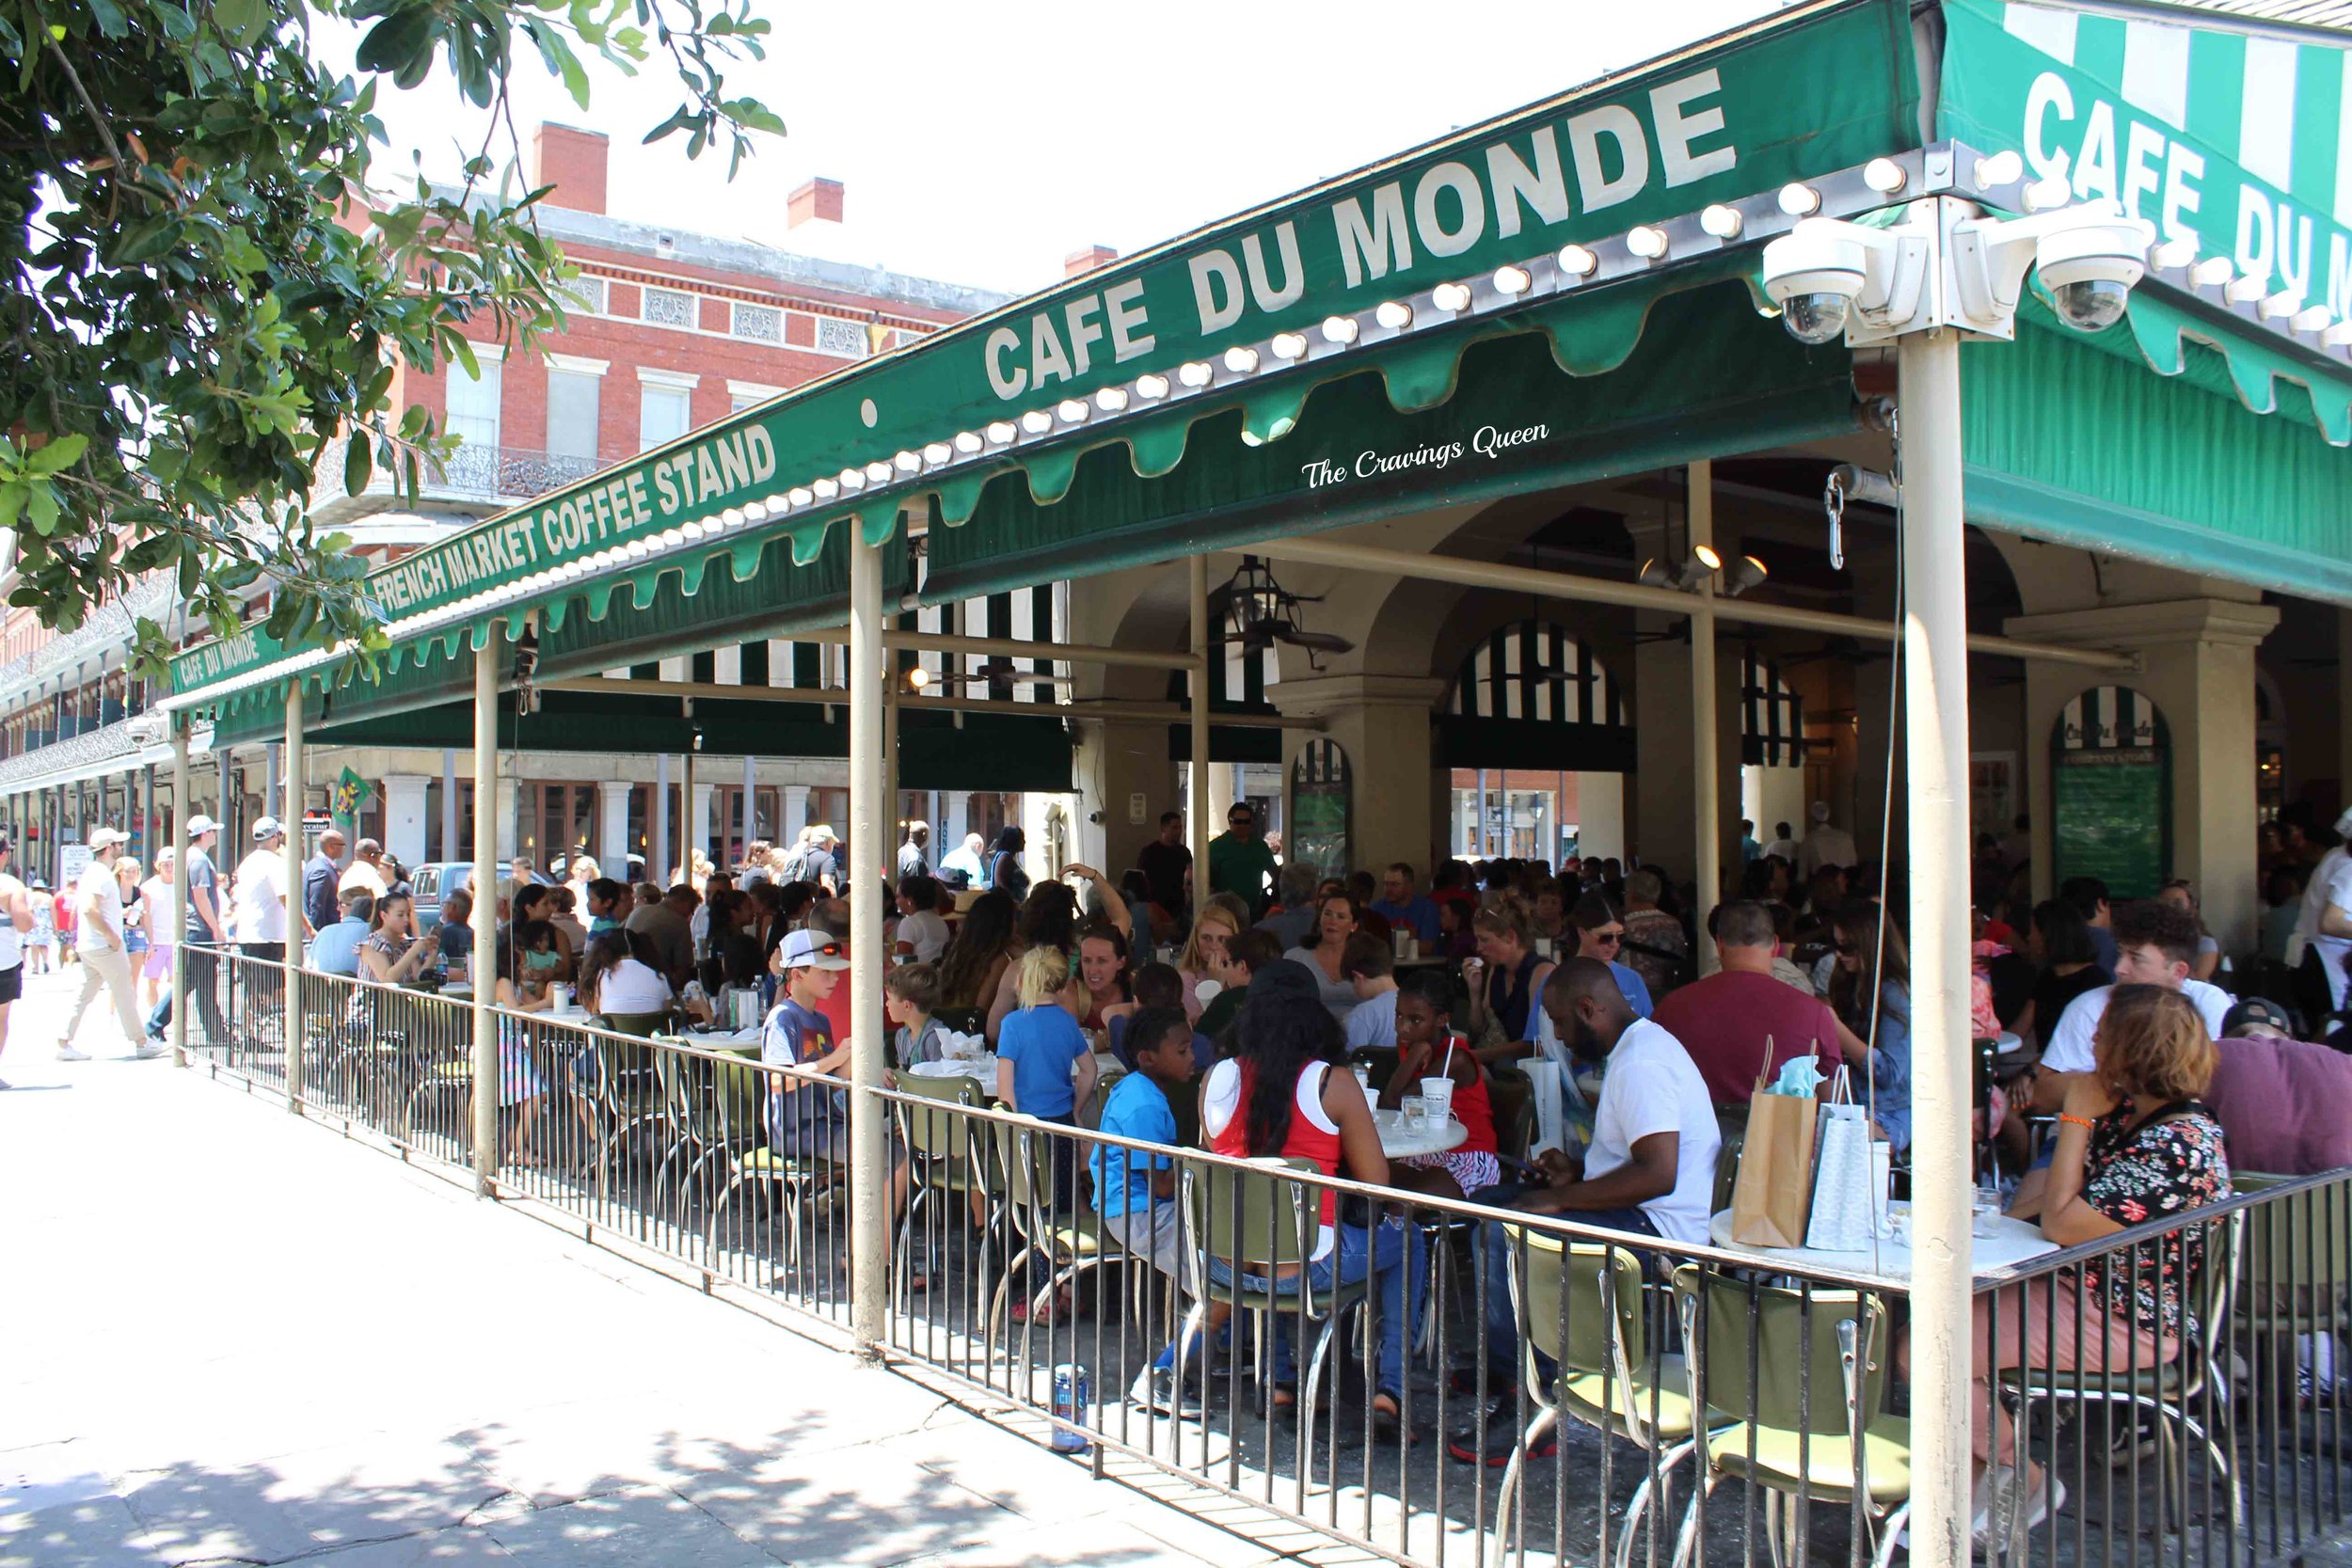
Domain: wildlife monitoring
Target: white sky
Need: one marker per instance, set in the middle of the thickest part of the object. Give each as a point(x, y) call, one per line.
point(983, 154)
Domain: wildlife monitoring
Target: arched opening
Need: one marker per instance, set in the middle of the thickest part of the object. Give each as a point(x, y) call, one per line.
point(2111, 792)
point(1536, 739)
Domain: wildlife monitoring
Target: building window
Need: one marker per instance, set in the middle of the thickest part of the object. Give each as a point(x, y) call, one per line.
point(763, 321)
point(572, 410)
point(835, 335)
point(583, 294)
point(661, 415)
point(668, 307)
point(473, 402)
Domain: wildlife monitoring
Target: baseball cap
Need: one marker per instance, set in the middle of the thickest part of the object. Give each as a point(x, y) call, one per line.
point(2257, 1019)
point(102, 837)
point(201, 824)
point(813, 950)
point(268, 827)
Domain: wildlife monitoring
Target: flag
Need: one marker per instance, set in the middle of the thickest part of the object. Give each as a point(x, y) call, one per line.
point(351, 792)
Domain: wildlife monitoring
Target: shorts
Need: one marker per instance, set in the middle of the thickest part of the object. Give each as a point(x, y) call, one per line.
point(12, 983)
point(1472, 1170)
point(158, 965)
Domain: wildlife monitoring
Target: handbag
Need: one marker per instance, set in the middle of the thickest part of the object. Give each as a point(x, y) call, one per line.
point(1771, 1197)
point(1845, 1214)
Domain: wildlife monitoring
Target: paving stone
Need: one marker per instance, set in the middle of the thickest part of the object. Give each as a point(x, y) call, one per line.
point(89, 1532)
point(642, 1525)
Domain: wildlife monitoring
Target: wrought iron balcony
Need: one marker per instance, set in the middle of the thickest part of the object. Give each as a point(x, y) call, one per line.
point(471, 479)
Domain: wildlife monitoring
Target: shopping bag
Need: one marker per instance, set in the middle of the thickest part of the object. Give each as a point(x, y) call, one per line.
point(1774, 1187)
point(1844, 1213)
point(1545, 1090)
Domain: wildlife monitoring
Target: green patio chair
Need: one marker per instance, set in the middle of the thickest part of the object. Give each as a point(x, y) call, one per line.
point(1582, 1305)
point(1793, 1385)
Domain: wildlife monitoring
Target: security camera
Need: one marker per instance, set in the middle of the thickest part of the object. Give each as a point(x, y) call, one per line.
point(2088, 256)
point(1833, 278)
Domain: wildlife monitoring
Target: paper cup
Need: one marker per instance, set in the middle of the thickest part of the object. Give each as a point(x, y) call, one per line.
point(1437, 1094)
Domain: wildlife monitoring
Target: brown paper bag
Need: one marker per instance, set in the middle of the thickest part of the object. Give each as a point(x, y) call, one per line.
point(1771, 1200)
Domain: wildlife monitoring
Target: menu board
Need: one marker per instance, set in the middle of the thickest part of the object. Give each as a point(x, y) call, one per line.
point(1320, 815)
point(2114, 818)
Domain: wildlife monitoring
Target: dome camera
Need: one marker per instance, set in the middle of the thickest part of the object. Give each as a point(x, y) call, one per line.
point(2089, 270)
point(1814, 273)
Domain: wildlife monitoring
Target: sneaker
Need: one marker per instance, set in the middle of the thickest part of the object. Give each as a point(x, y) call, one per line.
point(1156, 1389)
point(2013, 1511)
point(67, 1053)
point(149, 1053)
point(1503, 1437)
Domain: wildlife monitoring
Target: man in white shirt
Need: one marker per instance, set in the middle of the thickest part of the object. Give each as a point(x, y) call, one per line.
point(16, 918)
point(2324, 926)
point(2155, 944)
point(98, 940)
point(1650, 1170)
point(921, 931)
point(365, 872)
point(1825, 844)
point(257, 913)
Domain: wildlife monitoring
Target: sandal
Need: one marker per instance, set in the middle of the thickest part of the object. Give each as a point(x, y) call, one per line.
point(1388, 1420)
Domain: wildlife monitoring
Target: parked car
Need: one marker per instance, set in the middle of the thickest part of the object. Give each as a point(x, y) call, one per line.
point(430, 882)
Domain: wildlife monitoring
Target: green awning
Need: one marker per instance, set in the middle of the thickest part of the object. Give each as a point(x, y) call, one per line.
point(1812, 90)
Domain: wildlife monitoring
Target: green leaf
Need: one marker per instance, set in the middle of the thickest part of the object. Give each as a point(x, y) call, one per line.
point(41, 509)
point(241, 20)
point(358, 463)
point(58, 455)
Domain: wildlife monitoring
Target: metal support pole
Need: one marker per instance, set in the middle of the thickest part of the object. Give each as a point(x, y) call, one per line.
point(482, 970)
point(147, 817)
point(1197, 702)
point(179, 814)
point(750, 812)
point(869, 1118)
point(292, 821)
point(1706, 783)
point(891, 813)
point(690, 827)
point(656, 864)
point(448, 805)
point(1935, 702)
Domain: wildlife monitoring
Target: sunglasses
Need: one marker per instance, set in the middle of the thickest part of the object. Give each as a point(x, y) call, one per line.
point(1609, 939)
point(1848, 949)
point(827, 950)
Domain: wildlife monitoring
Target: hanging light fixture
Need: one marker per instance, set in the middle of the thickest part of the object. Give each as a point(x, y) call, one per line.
point(1256, 612)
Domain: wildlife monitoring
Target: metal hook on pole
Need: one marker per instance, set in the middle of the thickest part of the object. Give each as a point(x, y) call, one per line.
point(1847, 482)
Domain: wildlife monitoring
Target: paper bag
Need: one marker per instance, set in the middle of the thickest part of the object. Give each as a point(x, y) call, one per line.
point(1545, 1092)
point(1775, 1188)
point(1844, 1213)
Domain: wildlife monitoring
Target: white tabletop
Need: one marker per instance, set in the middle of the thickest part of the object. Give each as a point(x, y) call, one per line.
point(1399, 1142)
point(721, 1039)
point(983, 1068)
point(2014, 1243)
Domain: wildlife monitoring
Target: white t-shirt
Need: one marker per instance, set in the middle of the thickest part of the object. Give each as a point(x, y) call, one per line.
point(1373, 1023)
point(630, 986)
point(11, 940)
point(1653, 1087)
point(99, 881)
point(926, 933)
point(2070, 1048)
point(260, 914)
point(2333, 884)
point(2314, 899)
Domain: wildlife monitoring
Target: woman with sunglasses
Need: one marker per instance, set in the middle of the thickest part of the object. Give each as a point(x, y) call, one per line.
point(1600, 936)
point(1505, 978)
point(1872, 975)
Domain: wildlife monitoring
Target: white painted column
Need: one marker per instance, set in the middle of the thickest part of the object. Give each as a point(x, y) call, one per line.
point(1935, 702)
point(1203, 814)
point(404, 815)
point(795, 815)
point(698, 807)
point(749, 815)
point(506, 836)
point(612, 827)
point(179, 814)
point(657, 856)
point(488, 823)
point(448, 806)
point(869, 1118)
point(1707, 813)
point(293, 820)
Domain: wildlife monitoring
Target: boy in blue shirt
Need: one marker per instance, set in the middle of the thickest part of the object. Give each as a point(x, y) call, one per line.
point(1134, 1192)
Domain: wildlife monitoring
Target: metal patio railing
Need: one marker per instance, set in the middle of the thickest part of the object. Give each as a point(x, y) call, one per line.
point(1687, 1403)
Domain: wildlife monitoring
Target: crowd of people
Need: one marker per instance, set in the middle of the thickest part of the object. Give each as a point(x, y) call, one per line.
point(1233, 1011)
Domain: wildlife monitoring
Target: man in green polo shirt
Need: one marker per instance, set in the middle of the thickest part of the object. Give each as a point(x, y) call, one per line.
point(1239, 861)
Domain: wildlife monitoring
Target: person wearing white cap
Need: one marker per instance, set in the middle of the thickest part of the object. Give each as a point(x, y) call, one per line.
point(1826, 846)
point(98, 938)
point(257, 910)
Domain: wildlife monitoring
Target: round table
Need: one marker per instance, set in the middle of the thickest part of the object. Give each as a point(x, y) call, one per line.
point(1399, 1142)
point(720, 1040)
point(981, 1070)
point(2014, 1243)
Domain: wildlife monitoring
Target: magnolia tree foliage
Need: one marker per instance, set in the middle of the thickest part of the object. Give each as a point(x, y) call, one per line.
point(210, 270)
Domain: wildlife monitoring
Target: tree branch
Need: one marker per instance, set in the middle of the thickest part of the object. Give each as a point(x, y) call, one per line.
point(97, 121)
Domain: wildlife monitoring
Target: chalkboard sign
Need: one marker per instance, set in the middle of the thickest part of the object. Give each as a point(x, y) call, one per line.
point(1320, 815)
point(2114, 821)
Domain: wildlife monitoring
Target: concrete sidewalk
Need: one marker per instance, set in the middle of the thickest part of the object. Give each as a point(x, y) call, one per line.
point(229, 1336)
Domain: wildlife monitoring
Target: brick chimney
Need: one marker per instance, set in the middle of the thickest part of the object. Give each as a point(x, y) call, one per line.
point(1086, 261)
point(573, 161)
point(818, 201)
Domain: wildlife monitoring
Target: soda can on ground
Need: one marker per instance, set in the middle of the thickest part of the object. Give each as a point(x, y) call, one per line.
point(1072, 1399)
